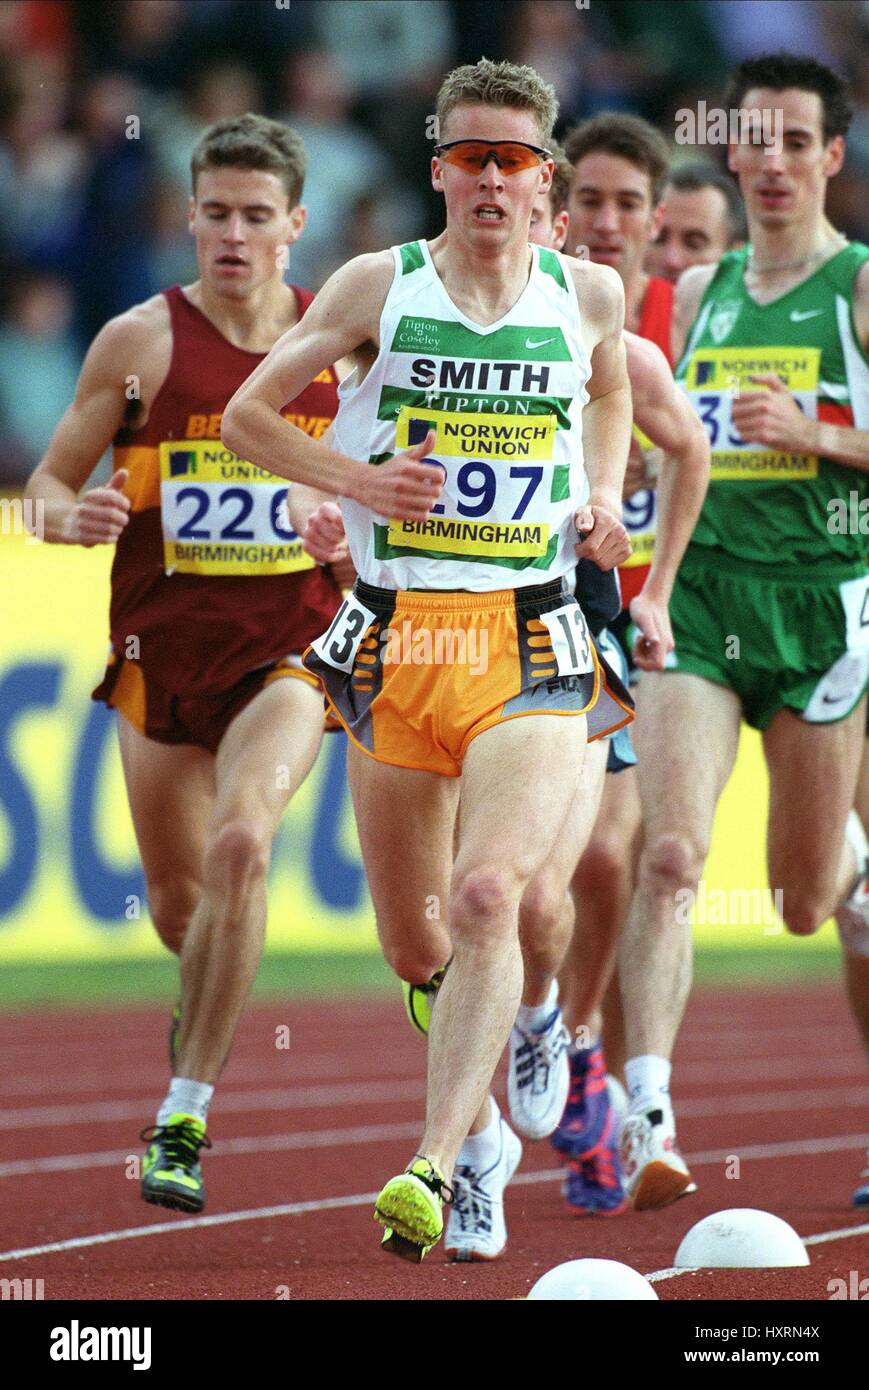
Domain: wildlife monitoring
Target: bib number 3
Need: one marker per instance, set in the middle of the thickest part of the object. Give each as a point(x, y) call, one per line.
point(340, 643)
point(570, 640)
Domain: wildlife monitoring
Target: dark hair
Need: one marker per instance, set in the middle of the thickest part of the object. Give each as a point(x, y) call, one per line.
point(691, 178)
point(781, 71)
point(630, 137)
point(253, 142)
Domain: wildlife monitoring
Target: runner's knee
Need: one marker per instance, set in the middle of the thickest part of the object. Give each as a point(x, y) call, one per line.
point(483, 903)
point(542, 909)
point(172, 904)
point(803, 913)
point(237, 852)
point(671, 861)
point(415, 963)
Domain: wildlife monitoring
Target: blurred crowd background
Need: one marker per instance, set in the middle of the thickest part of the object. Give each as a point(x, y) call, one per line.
point(92, 220)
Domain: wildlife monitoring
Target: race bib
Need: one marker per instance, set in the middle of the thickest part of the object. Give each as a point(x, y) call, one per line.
point(221, 515)
point(499, 482)
point(639, 516)
point(340, 642)
point(717, 376)
point(570, 640)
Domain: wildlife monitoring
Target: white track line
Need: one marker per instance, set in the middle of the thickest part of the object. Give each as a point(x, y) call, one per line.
point(828, 1145)
point(237, 1076)
point(267, 1143)
point(835, 1235)
point(324, 1069)
point(287, 1098)
point(687, 1075)
point(845, 1233)
point(795, 1068)
point(364, 1134)
point(386, 1092)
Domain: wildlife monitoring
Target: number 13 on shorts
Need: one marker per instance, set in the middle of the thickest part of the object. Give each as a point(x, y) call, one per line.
point(570, 640)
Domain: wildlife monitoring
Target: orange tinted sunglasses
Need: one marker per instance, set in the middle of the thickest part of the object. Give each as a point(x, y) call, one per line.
point(511, 156)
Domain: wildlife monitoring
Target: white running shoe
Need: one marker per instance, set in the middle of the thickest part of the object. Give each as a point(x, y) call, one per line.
point(619, 1102)
point(654, 1173)
point(539, 1077)
point(476, 1229)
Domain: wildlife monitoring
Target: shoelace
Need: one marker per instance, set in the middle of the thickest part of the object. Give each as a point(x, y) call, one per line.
point(539, 1052)
point(438, 1185)
point(181, 1143)
point(472, 1204)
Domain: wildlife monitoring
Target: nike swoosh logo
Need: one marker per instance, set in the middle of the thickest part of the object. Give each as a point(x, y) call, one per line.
point(542, 343)
point(797, 316)
point(836, 700)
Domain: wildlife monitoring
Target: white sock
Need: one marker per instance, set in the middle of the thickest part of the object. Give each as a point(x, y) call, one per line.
point(531, 1018)
point(648, 1081)
point(185, 1097)
point(481, 1150)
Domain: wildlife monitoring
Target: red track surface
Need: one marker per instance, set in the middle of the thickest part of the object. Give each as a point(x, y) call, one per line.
point(341, 1109)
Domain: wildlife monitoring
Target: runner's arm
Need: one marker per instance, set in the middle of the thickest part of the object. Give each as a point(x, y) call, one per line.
point(842, 442)
point(344, 318)
point(663, 413)
point(690, 289)
point(86, 430)
point(606, 420)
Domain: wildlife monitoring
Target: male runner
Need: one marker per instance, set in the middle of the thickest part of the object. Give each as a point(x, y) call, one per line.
point(770, 607)
point(587, 1134)
point(213, 600)
point(619, 163)
point(458, 459)
point(702, 217)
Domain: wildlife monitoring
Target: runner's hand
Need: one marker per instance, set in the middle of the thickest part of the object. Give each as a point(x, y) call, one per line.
point(605, 540)
point(99, 517)
point(655, 638)
point(404, 488)
point(772, 417)
point(324, 537)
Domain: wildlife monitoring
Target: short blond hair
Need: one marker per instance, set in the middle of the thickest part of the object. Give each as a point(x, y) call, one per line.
point(499, 84)
point(562, 175)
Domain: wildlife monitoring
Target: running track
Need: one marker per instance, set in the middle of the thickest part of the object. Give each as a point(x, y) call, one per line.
point(305, 1137)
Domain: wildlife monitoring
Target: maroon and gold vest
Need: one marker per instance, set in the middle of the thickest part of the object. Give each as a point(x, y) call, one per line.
point(208, 573)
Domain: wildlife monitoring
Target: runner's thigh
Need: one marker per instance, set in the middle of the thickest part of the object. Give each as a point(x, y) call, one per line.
point(686, 735)
point(268, 751)
point(170, 788)
point(405, 820)
point(519, 781)
point(813, 773)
